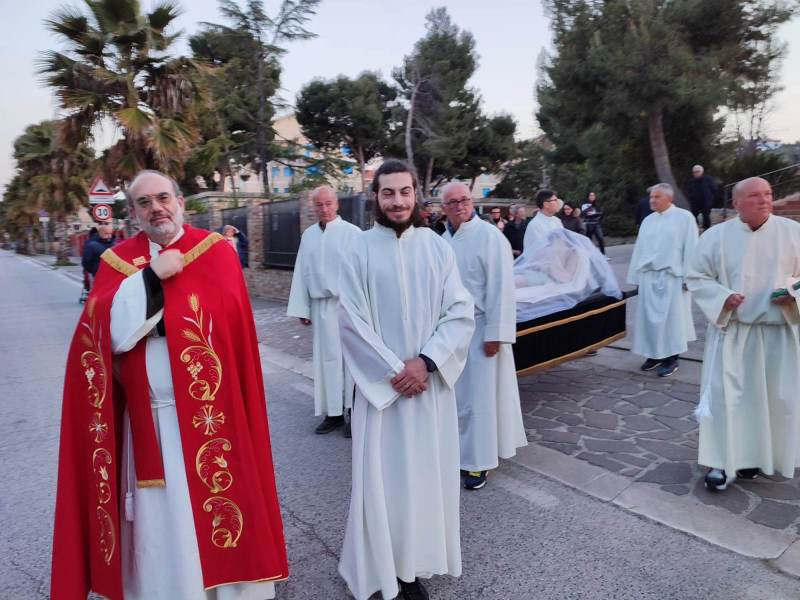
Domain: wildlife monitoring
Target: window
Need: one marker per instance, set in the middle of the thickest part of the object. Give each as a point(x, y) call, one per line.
point(312, 170)
point(348, 170)
point(287, 171)
point(276, 171)
point(486, 191)
point(346, 150)
point(276, 190)
point(285, 190)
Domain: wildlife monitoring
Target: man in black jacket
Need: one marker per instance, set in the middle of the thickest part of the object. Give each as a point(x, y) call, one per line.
point(701, 192)
point(95, 246)
point(514, 229)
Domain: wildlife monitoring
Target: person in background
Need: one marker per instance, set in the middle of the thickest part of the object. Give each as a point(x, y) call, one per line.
point(515, 228)
point(238, 241)
point(643, 209)
point(99, 242)
point(570, 220)
point(701, 191)
point(497, 218)
point(592, 215)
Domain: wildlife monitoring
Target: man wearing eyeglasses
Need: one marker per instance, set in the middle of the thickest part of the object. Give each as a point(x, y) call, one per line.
point(489, 414)
point(545, 220)
point(166, 486)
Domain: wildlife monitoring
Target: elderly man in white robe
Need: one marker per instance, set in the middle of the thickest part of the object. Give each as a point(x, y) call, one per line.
point(314, 297)
point(663, 324)
point(406, 323)
point(489, 413)
point(545, 220)
point(749, 409)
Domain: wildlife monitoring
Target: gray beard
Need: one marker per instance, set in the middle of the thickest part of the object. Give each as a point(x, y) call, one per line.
point(163, 234)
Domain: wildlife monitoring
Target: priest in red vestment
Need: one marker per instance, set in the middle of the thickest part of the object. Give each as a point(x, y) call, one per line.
point(166, 486)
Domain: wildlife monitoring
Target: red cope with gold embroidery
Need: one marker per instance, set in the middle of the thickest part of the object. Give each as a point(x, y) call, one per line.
point(221, 409)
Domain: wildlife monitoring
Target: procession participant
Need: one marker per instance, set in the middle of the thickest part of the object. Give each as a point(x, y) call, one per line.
point(238, 242)
point(749, 410)
point(406, 322)
point(545, 220)
point(313, 299)
point(489, 414)
point(663, 325)
point(166, 486)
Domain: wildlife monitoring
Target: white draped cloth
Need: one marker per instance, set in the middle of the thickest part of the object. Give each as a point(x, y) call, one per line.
point(160, 558)
point(314, 295)
point(539, 227)
point(489, 413)
point(400, 297)
point(663, 324)
point(752, 356)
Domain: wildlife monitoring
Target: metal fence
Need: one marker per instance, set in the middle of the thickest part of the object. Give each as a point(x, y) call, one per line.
point(282, 226)
point(281, 233)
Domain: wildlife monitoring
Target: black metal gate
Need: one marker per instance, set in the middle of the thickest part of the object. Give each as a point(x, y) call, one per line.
point(358, 210)
point(281, 233)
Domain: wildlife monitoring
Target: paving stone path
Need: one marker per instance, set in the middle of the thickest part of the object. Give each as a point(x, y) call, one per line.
point(631, 423)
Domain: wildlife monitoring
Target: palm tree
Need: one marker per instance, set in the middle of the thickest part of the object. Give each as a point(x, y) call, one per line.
point(117, 66)
point(55, 174)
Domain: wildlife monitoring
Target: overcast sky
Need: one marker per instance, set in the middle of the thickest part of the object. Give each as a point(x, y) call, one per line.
point(354, 35)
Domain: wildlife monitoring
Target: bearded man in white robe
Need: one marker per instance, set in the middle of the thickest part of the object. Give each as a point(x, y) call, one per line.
point(313, 299)
point(489, 413)
point(663, 324)
point(406, 323)
point(749, 409)
point(545, 220)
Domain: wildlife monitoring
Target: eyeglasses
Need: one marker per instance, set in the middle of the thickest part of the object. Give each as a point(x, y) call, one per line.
point(162, 197)
point(454, 203)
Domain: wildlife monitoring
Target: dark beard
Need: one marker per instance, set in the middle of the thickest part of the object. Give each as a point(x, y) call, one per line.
point(414, 220)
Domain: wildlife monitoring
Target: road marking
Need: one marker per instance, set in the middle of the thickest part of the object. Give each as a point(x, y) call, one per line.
point(524, 491)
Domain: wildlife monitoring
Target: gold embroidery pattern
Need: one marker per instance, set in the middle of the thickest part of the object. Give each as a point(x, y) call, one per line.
point(227, 521)
point(101, 458)
point(210, 418)
point(97, 388)
point(193, 254)
point(108, 540)
point(114, 261)
point(205, 369)
point(209, 457)
point(200, 359)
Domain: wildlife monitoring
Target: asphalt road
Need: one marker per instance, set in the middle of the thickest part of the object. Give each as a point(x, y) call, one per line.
point(523, 536)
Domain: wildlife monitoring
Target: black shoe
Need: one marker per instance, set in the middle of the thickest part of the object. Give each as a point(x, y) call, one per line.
point(668, 368)
point(413, 590)
point(475, 480)
point(747, 473)
point(347, 432)
point(717, 480)
point(329, 424)
point(650, 364)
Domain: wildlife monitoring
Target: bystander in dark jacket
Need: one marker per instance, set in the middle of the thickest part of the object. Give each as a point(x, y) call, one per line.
point(701, 192)
point(592, 216)
point(98, 242)
point(514, 229)
point(570, 220)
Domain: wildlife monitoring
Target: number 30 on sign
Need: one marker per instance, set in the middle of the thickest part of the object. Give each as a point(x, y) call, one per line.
point(101, 212)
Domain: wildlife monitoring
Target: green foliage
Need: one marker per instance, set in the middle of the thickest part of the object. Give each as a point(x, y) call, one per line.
point(634, 86)
point(441, 111)
point(522, 175)
point(242, 72)
point(348, 112)
point(117, 66)
point(772, 167)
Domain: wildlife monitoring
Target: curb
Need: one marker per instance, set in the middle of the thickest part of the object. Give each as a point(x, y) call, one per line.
point(709, 523)
point(41, 263)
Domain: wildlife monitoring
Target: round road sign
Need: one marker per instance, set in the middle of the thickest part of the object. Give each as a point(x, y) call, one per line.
point(101, 212)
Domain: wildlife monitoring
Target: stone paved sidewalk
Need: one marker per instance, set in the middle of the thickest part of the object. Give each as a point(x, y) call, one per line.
point(604, 411)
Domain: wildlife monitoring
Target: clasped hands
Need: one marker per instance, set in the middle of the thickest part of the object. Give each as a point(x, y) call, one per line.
point(412, 380)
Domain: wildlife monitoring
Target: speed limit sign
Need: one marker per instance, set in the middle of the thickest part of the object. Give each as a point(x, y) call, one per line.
point(101, 212)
